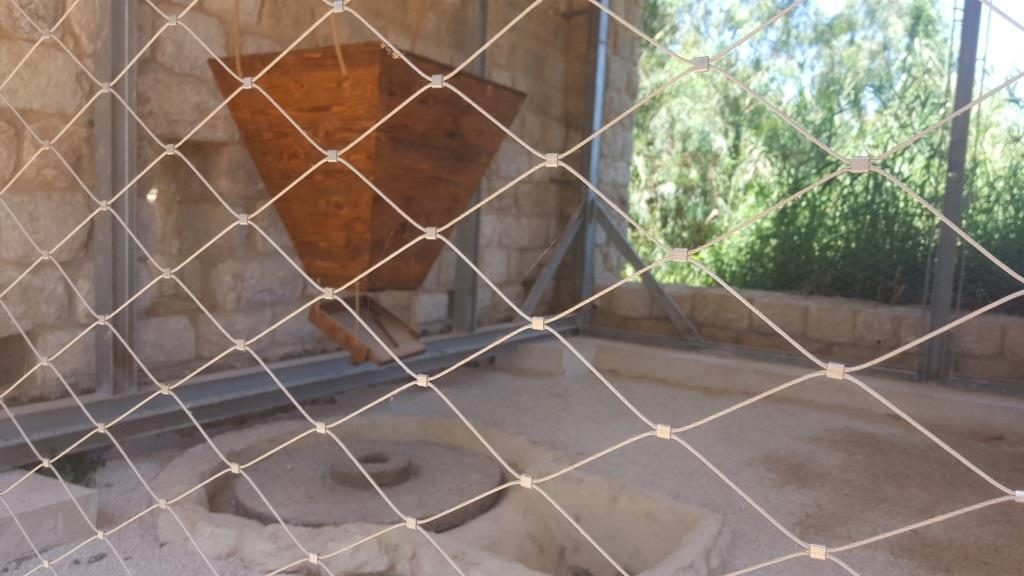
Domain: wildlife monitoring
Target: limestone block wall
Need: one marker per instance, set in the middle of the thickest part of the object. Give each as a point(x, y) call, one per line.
point(839, 329)
point(44, 196)
point(240, 278)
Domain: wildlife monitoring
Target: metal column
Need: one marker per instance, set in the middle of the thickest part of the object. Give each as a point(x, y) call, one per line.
point(586, 246)
point(115, 256)
point(938, 367)
point(467, 233)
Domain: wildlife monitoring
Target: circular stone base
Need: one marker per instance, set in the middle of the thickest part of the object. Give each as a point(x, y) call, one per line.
point(317, 484)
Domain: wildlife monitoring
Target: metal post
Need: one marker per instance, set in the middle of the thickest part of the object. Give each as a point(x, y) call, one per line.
point(467, 233)
point(586, 246)
point(938, 367)
point(115, 258)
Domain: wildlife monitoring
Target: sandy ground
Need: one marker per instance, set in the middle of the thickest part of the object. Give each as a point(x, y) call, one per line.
point(831, 476)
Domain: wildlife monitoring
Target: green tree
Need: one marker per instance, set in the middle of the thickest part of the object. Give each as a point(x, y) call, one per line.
point(709, 156)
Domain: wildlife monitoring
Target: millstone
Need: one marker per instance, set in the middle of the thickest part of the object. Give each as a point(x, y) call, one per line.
point(316, 484)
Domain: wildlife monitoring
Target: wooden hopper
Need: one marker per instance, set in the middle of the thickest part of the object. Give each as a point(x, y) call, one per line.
point(428, 158)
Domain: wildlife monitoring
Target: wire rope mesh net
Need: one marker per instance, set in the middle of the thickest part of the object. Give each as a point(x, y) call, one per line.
point(176, 18)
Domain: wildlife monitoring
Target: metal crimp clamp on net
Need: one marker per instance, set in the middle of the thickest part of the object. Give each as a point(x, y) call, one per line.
point(1018, 496)
point(679, 255)
point(860, 164)
point(701, 63)
point(430, 232)
point(526, 481)
point(817, 552)
point(835, 371)
point(537, 323)
point(437, 81)
point(422, 380)
point(551, 160)
point(663, 431)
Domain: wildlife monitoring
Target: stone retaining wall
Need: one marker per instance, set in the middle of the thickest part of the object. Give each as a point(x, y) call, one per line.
point(240, 279)
point(840, 329)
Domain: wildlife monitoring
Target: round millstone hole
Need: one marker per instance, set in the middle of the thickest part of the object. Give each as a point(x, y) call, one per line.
point(317, 484)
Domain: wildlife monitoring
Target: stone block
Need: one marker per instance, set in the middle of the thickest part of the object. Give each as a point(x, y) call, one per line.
point(180, 51)
point(784, 310)
point(8, 151)
point(19, 23)
point(878, 327)
point(981, 336)
point(165, 340)
point(39, 298)
point(296, 336)
point(48, 81)
point(210, 341)
point(254, 282)
point(529, 232)
point(998, 368)
point(1013, 342)
point(172, 105)
point(76, 146)
point(631, 300)
point(76, 363)
point(430, 307)
point(831, 320)
point(494, 263)
point(88, 23)
point(716, 307)
point(46, 511)
point(248, 10)
point(682, 294)
point(48, 216)
point(256, 44)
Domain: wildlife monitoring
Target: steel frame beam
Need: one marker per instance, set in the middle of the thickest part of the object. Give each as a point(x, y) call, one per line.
point(938, 367)
point(593, 213)
point(668, 304)
point(56, 425)
point(467, 232)
point(115, 258)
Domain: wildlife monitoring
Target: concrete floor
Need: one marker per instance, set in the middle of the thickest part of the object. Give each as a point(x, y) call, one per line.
point(829, 471)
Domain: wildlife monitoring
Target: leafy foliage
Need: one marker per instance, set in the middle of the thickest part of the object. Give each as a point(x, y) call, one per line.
point(708, 156)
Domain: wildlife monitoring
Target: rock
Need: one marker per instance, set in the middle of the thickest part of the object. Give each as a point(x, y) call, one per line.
point(51, 513)
point(172, 105)
point(44, 13)
point(48, 81)
point(165, 340)
point(88, 23)
point(39, 298)
point(8, 151)
point(254, 282)
point(180, 51)
point(48, 216)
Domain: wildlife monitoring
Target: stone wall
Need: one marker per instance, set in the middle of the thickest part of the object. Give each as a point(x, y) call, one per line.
point(838, 329)
point(240, 278)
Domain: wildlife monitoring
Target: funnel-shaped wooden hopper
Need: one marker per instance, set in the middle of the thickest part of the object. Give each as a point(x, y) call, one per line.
point(428, 159)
